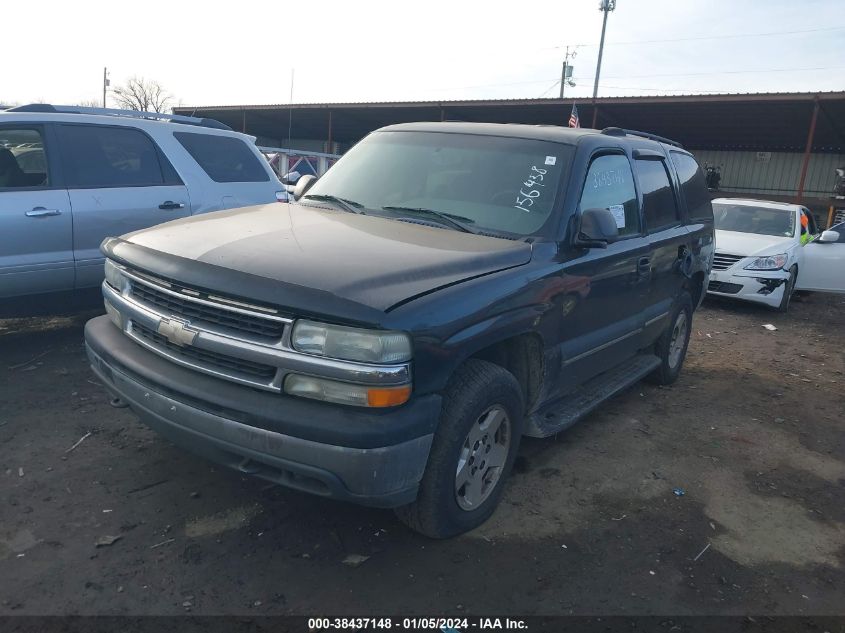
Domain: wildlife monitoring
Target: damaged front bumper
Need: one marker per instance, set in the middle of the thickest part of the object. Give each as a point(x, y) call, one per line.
point(760, 286)
point(368, 458)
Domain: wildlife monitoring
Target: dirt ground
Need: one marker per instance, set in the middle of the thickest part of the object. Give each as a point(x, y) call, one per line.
point(752, 433)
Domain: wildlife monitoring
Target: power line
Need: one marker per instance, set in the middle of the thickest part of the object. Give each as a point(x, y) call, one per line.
point(715, 37)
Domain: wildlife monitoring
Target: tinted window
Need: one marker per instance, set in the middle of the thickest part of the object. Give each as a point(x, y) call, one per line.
point(610, 185)
point(839, 228)
point(23, 163)
point(659, 208)
point(693, 186)
point(98, 156)
point(492, 183)
point(223, 158)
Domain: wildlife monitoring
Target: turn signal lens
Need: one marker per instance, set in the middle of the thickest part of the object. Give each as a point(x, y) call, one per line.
point(392, 397)
point(346, 393)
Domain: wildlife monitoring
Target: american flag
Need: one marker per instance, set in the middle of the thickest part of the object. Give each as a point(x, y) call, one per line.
point(574, 121)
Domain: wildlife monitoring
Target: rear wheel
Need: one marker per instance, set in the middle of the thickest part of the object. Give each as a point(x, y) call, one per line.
point(472, 454)
point(671, 347)
point(788, 290)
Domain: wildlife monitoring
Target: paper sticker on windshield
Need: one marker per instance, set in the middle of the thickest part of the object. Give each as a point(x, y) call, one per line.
point(618, 212)
point(551, 160)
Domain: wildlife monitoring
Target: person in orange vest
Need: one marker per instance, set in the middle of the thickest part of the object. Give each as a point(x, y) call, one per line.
point(805, 229)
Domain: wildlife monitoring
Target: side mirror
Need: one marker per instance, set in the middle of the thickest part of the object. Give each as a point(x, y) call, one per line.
point(303, 185)
point(597, 229)
point(291, 178)
point(829, 236)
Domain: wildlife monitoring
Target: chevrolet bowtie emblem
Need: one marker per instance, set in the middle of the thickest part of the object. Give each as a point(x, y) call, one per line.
point(177, 331)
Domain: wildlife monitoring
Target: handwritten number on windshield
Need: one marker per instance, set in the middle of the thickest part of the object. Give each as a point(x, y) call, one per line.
point(527, 198)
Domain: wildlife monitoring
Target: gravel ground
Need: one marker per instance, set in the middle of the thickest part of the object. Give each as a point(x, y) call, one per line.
point(98, 515)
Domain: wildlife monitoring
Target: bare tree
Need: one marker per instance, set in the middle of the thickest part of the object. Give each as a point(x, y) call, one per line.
point(90, 103)
point(143, 94)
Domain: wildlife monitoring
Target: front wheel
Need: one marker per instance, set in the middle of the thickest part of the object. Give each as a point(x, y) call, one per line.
point(671, 347)
point(472, 454)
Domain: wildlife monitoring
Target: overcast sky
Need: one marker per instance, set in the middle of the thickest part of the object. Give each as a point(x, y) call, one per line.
point(228, 53)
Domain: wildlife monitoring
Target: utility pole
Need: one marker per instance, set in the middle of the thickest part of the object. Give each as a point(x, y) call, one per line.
point(105, 84)
point(606, 6)
point(566, 72)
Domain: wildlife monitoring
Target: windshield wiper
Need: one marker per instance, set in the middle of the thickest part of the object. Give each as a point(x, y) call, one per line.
point(455, 221)
point(343, 203)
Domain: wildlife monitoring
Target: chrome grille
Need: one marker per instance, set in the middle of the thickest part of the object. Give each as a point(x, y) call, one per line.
point(169, 301)
point(213, 359)
point(723, 261)
point(227, 337)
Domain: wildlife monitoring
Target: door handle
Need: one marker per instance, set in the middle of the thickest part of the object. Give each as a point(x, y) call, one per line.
point(643, 266)
point(41, 212)
point(169, 205)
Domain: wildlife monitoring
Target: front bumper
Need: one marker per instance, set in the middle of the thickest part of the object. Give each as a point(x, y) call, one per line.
point(305, 445)
point(759, 286)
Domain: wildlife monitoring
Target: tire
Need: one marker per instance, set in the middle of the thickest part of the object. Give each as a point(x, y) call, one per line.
point(669, 349)
point(788, 290)
point(479, 393)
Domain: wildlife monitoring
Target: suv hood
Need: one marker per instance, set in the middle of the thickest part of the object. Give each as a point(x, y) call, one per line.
point(367, 260)
point(747, 244)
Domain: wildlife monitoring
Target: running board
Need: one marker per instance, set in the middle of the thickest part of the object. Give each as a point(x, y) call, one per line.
point(561, 414)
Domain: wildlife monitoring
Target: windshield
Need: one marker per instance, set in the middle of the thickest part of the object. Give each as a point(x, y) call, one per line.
point(488, 183)
point(757, 220)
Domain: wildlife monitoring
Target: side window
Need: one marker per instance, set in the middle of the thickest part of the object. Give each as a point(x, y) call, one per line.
point(610, 185)
point(693, 187)
point(811, 221)
point(23, 163)
point(96, 156)
point(659, 208)
point(223, 158)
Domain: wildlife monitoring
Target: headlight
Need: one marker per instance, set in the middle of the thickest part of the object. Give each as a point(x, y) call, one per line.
point(346, 393)
point(114, 276)
point(348, 343)
point(768, 262)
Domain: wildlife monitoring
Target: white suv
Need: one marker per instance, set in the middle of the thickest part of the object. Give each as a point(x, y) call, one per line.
point(72, 176)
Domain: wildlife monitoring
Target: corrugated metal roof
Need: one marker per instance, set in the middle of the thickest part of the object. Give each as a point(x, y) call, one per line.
point(758, 121)
point(726, 96)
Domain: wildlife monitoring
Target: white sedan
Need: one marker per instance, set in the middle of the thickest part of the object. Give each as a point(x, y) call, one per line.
point(764, 253)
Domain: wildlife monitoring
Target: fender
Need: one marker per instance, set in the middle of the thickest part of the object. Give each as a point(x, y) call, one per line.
point(452, 352)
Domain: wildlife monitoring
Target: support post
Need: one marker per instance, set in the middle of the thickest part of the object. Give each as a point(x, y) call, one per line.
point(810, 135)
point(595, 114)
point(329, 144)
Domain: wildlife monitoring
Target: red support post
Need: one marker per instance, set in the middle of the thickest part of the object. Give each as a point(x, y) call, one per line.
point(810, 135)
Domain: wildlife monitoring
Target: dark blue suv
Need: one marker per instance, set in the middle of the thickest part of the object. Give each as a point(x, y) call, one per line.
point(389, 337)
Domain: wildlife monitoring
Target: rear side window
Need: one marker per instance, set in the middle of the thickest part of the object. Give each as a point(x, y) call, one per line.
point(95, 156)
point(610, 185)
point(693, 187)
point(223, 158)
point(659, 208)
point(23, 163)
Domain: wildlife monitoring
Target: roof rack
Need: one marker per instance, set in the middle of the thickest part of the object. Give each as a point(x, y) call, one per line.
point(134, 114)
point(618, 131)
